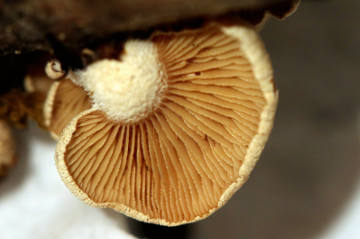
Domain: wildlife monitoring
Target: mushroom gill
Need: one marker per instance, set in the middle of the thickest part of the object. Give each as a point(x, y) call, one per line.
point(188, 156)
point(64, 101)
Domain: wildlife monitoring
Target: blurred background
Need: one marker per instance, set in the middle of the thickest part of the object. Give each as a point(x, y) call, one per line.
point(310, 169)
point(307, 182)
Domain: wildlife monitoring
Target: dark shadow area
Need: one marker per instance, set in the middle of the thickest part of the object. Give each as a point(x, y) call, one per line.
point(311, 165)
point(120, 219)
point(13, 69)
point(151, 231)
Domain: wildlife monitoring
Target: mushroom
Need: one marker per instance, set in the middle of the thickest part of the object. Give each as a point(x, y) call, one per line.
point(7, 148)
point(63, 102)
point(175, 125)
point(54, 70)
point(37, 85)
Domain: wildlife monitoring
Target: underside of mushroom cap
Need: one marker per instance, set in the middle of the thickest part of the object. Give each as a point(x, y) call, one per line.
point(64, 101)
point(189, 156)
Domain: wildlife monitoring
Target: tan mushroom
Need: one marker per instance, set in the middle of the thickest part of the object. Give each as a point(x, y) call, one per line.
point(46, 93)
point(64, 101)
point(37, 85)
point(54, 70)
point(36, 80)
point(7, 148)
point(175, 127)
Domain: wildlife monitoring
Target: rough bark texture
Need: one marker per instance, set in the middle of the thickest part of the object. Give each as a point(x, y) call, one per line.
point(28, 25)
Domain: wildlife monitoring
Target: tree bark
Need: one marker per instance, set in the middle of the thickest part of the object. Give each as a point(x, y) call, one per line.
point(28, 25)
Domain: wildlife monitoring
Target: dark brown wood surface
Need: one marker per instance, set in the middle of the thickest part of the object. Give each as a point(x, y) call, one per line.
point(28, 25)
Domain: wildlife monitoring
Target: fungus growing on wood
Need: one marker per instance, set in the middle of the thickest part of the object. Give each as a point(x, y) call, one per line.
point(54, 70)
point(37, 85)
point(64, 101)
point(7, 148)
point(175, 126)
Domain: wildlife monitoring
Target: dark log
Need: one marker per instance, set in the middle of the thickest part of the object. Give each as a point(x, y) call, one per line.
point(28, 25)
